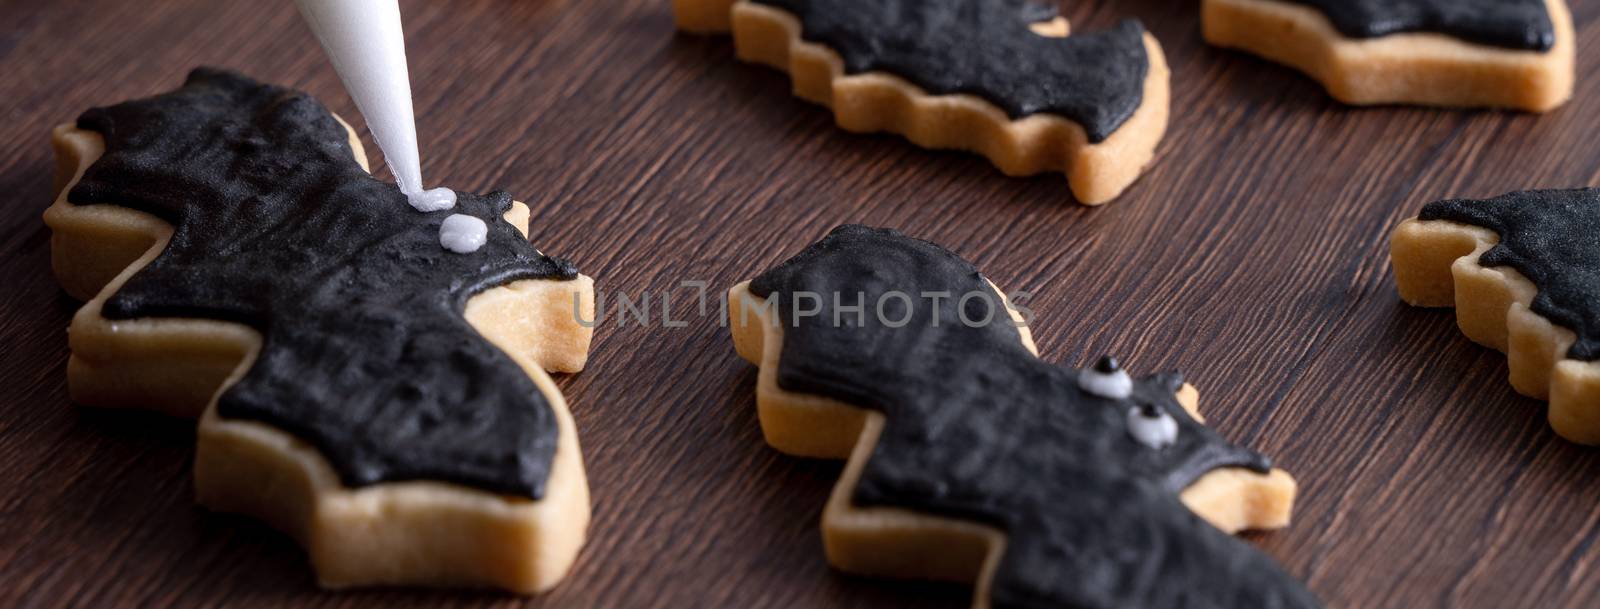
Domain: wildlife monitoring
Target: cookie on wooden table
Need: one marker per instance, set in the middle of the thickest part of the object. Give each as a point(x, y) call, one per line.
point(972, 460)
point(998, 77)
point(379, 397)
point(1514, 54)
point(1523, 273)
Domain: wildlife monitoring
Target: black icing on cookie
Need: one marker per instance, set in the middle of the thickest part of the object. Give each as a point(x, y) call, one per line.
point(1550, 237)
point(984, 48)
point(1514, 24)
point(365, 352)
point(979, 429)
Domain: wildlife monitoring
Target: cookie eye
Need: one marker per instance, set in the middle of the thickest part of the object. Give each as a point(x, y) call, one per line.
point(1107, 379)
point(1152, 426)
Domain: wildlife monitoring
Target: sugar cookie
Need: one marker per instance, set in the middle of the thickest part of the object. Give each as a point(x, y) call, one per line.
point(1523, 272)
point(1514, 54)
point(996, 77)
point(380, 398)
point(972, 460)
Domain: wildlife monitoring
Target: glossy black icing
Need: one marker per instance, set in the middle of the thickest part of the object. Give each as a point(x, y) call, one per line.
point(365, 351)
point(980, 429)
point(1548, 236)
point(1513, 24)
point(984, 48)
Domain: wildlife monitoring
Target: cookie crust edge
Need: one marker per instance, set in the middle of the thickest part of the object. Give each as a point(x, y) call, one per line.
point(1436, 265)
point(1412, 68)
point(902, 543)
point(399, 533)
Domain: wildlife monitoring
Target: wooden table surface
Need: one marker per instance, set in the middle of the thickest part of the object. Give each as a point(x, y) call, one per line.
point(1253, 257)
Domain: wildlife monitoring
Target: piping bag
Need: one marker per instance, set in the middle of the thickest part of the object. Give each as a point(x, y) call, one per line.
point(364, 41)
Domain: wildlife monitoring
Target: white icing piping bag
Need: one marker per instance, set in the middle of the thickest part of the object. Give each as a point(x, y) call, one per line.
point(364, 41)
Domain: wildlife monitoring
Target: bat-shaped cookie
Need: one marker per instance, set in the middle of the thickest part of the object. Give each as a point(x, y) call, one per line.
point(1523, 272)
point(970, 459)
point(998, 77)
point(378, 397)
point(1498, 53)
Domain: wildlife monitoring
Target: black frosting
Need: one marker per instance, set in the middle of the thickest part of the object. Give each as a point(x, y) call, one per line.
point(365, 351)
point(1548, 236)
point(980, 429)
point(1513, 24)
point(984, 48)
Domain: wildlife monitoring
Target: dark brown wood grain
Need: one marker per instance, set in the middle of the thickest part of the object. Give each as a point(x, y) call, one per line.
point(1253, 257)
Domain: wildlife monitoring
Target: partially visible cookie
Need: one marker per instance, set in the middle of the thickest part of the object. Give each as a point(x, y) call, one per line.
point(972, 460)
point(998, 77)
point(379, 398)
point(1515, 54)
point(1523, 272)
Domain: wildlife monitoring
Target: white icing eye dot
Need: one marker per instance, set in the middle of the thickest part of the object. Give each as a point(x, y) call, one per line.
point(1152, 426)
point(1107, 379)
point(432, 200)
point(463, 234)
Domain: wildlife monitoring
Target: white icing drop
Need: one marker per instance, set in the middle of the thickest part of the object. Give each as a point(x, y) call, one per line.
point(432, 199)
point(1152, 427)
point(1116, 385)
point(364, 41)
point(463, 234)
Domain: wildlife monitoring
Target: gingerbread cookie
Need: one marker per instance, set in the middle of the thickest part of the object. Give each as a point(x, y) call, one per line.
point(998, 77)
point(1523, 272)
point(970, 459)
point(1514, 54)
point(379, 397)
